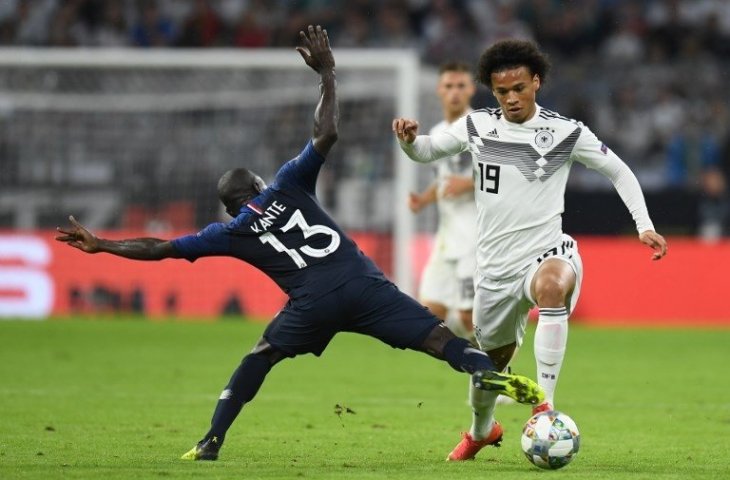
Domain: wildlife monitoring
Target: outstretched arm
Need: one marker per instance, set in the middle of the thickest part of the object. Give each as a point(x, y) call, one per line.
point(426, 148)
point(136, 249)
point(317, 54)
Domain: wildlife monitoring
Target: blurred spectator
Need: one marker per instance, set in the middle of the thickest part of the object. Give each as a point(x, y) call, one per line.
point(694, 160)
point(355, 31)
point(113, 31)
point(624, 45)
point(449, 33)
point(33, 19)
point(505, 24)
point(177, 11)
point(666, 26)
point(668, 113)
point(250, 32)
point(7, 31)
point(572, 31)
point(625, 123)
point(64, 27)
point(153, 29)
point(691, 153)
point(395, 29)
point(202, 28)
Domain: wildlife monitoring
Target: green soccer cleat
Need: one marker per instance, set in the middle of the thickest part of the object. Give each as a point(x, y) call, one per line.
point(204, 450)
point(517, 387)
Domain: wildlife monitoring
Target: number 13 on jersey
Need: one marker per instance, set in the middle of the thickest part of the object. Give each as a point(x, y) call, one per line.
point(297, 220)
point(488, 177)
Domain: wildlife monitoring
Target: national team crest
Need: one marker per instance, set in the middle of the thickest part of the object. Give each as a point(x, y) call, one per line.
point(544, 139)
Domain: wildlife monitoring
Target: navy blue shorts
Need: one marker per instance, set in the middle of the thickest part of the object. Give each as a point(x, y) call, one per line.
point(370, 306)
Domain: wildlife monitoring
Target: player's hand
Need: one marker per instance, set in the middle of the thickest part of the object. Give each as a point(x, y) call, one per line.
point(78, 237)
point(415, 202)
point(656, 242)
point(457, 185)
point(405, 129)
point(315, 49)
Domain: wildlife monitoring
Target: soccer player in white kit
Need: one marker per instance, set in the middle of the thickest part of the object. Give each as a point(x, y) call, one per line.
point(522, 154)
point(447, 284)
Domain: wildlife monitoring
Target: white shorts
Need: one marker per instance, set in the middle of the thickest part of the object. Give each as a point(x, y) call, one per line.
point(449, 282)
point(501, 306)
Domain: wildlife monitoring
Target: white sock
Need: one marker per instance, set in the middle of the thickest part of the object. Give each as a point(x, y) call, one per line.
point(482, 404)
point(551, 337)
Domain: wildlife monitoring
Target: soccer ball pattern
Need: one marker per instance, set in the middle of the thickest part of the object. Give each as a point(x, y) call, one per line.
point(550, 440)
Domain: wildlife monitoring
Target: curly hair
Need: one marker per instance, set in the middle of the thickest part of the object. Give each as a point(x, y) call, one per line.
point(508, 54)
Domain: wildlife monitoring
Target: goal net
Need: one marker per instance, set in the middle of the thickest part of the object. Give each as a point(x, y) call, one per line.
point(136, 140)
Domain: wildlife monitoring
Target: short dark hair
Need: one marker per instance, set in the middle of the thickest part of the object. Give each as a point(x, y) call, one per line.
point(508, 54)
point(455, 66)
point(235, 187)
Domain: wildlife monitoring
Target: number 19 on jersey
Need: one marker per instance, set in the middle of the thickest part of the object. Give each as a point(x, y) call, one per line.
point(488, 177)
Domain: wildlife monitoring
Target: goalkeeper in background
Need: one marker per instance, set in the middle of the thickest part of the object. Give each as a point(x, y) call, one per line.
point(332, 286)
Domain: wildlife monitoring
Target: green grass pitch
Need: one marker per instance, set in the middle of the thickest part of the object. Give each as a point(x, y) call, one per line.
point(124, 399)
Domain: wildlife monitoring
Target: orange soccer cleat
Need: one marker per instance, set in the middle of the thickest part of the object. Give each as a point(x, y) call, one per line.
point(468, 447)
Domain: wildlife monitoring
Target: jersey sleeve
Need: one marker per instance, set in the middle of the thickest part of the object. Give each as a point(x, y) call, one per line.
point(594, 154)
point(212, 240)
point(428, 148)
point(302, 171)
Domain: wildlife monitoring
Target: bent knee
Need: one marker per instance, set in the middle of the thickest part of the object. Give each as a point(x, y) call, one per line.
point(553, 290)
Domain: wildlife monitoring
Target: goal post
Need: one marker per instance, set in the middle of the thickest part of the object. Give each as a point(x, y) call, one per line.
point(126, 133)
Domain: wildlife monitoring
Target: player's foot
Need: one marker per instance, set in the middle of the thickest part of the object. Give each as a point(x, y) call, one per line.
point(543, 407)
point(205, 450)
point(517, 387)
point(468, 447)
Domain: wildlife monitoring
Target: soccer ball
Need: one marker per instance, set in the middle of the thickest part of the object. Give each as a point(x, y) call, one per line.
point(550, 440)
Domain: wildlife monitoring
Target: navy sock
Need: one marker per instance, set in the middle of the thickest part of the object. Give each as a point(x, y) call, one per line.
point(463, 357)
point(241, 388)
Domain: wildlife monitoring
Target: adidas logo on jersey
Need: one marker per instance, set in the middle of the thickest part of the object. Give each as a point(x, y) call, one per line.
point(493, 134)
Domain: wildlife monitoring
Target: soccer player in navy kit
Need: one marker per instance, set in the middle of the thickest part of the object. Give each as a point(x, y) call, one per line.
point(332, 286)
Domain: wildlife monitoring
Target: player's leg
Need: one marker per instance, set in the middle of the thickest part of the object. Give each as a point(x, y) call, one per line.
point(436, 289)
point(465, 323)
point(484, 430)
point(439, 310)
point(292, 332)
point(464, 280)
point(241, 389)
point(554, 288)
point(500, 317)
point(401, 322)
point(462, 356)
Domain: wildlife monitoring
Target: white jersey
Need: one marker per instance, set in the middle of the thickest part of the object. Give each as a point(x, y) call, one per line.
point(457, 231)
point(521, 173)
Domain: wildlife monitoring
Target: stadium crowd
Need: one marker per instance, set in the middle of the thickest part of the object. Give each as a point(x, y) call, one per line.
point(650, 77)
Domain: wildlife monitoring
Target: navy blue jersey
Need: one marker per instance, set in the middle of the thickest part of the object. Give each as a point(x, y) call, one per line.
point(285, 233)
